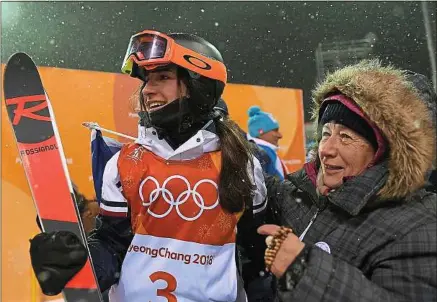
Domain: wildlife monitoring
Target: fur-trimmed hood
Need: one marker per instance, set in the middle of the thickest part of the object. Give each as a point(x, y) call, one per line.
point(394, 105)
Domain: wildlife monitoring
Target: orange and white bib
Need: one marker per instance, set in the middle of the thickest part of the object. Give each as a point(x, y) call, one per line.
point(184, 244)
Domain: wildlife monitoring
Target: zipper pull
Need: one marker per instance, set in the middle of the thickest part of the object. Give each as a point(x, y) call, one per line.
point(309, 225)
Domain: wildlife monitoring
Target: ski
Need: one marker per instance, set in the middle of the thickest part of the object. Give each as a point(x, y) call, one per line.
point(40, 149)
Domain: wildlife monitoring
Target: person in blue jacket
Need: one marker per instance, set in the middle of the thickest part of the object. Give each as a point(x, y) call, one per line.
point(264, 131)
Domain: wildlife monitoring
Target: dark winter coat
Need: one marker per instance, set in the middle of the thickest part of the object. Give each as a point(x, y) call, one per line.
point(427, 94)
point(374, 238)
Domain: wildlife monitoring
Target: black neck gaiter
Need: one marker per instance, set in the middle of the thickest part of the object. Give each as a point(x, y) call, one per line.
point(175, 122)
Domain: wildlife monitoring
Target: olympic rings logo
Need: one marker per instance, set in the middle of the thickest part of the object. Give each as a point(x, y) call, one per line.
point(168, 197)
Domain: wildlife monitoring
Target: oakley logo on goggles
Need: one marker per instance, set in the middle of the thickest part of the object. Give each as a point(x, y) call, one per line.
point(151, 49)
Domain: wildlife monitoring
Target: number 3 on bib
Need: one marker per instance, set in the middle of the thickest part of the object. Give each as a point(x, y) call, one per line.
point(171, 285)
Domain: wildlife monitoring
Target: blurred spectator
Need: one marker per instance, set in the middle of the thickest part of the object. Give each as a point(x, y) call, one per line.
point(88, 210)
point(264, 131)
point(310, 151)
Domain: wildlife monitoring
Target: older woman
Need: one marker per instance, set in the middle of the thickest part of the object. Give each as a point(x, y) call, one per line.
point(357, 224)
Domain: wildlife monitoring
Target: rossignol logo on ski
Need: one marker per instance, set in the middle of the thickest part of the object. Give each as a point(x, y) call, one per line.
point(30, 112)
point(21, 111)
point(39, 149)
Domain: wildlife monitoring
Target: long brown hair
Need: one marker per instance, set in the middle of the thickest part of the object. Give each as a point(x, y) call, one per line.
point(235, 185)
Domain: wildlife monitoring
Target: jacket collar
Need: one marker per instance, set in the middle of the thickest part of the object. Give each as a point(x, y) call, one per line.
point(205, 140)
point(354, 195)
point(262, 142)
point(357, 192)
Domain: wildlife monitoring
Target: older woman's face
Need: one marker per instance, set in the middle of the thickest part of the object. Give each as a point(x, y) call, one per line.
point(342, 152)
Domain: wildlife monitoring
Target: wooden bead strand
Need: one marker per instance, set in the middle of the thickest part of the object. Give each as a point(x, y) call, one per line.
point(274, 244)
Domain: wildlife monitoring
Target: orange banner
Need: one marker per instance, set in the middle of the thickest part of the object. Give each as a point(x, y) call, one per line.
point(78, 96)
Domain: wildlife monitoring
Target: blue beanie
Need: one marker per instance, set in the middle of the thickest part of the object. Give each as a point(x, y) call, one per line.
point(260, 122)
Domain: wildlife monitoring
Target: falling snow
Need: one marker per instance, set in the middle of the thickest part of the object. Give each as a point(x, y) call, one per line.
point(255, 38)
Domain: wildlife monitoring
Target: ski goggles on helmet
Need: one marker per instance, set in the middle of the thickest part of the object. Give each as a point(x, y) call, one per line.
point(151, 49)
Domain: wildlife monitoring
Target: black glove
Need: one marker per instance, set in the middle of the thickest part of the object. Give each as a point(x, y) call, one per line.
point(56, 257)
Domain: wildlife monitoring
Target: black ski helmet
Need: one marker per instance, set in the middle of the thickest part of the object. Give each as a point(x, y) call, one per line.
point(204, 92)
